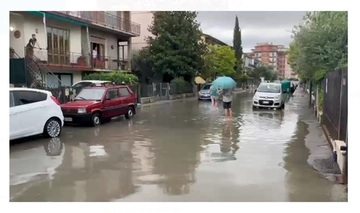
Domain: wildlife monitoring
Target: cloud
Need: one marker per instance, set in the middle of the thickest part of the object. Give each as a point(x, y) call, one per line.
point(256, 27)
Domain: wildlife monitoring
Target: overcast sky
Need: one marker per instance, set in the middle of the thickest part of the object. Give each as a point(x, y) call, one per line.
point(256, 27)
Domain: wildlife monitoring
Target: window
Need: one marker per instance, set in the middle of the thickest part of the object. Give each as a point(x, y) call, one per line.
point(12, 101)
point(65, 80)
point(91, 94)
point(112, 94)
point(58, 43)
point(28, 97)
point(124, 92)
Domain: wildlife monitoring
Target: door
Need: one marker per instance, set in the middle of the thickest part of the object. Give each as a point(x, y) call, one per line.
point(112, 104)
point(125, 96)
point(26, 113)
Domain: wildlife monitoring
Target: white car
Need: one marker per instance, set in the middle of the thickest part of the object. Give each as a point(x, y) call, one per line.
point(34, 112)
point(269, 95)
point(78, 86)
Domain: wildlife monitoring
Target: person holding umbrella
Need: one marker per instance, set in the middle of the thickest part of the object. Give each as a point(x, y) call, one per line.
point(227, 99)
point(227, 86)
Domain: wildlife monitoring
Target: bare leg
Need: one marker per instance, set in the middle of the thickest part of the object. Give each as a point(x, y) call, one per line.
point(212, 102)
point(230, 112)
point(215, 103)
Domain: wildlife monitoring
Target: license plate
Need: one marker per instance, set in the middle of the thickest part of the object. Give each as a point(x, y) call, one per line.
point(68, 119)
point(265, 102)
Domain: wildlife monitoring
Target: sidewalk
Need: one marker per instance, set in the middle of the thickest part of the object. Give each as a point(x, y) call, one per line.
point(320, 156)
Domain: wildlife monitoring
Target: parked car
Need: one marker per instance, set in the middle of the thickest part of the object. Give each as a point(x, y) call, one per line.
point(33, 112)
point(269, 95)
point(78, 86)
point(97, 104)
point(204, 93)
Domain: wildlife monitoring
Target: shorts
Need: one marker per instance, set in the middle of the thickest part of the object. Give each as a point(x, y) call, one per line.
point(227, 105)
point(215, 98)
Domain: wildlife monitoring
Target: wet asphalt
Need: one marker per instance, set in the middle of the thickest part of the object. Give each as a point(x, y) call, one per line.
point(180, 151)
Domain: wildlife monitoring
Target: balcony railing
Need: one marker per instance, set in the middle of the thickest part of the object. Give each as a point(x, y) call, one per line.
point(75, 60)
point(107, 20)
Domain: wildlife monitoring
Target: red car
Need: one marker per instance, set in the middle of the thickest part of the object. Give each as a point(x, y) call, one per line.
point(95, 105)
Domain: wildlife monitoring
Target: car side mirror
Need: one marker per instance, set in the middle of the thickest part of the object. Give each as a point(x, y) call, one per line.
point(255, 90)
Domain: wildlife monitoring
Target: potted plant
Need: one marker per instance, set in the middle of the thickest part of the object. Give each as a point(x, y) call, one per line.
point(81, 61)
point(12, 52)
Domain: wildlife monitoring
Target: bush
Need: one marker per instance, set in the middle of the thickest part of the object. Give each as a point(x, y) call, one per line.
point(180, 86)
point(117, 77)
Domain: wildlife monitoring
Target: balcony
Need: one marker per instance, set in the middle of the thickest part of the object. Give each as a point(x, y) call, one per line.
point(106, 20)
point(75, 61)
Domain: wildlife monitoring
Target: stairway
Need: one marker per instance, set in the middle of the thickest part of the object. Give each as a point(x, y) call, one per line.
point(36, 72)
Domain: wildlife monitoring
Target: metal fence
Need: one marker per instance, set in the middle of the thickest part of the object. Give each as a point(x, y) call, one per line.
point(162, 91)
point(335, 86)
point(62, 94)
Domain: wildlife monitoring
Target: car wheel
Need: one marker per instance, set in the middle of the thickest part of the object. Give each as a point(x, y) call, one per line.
point(96, 119)
point(52, 128)
point(130, 113)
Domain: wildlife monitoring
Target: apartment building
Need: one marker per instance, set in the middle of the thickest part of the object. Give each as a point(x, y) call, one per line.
point(275, 56)
point(73, 43)
point(145, 18)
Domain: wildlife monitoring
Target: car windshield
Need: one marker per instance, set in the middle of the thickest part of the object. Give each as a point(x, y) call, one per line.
point(206, 87)
point(269, 88)
point(90, 94)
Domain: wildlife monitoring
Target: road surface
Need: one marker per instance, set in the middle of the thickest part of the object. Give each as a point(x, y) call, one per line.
point(180, 151)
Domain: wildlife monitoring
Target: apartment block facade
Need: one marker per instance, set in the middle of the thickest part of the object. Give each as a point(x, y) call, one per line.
point(67, 41)
point(275, 56)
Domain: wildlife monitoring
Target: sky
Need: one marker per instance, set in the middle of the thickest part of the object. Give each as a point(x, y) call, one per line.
point(256, 27)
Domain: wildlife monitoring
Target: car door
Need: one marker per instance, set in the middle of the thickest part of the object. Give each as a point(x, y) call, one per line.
point(111, 103)
point(125, 99)
point(26, 115)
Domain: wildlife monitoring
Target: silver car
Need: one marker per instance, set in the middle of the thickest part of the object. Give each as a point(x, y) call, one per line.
point(205, 93)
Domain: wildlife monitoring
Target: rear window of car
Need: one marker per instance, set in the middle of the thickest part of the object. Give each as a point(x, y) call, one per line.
point(27, 97)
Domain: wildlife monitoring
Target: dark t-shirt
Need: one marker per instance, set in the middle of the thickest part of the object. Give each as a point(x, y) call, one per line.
point(32, 42)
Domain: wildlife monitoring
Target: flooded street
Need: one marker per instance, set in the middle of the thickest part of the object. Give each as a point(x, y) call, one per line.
point(178, 151)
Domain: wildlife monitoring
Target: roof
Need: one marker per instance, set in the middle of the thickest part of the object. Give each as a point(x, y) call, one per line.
point(215, 40)
point(29, 89)
point(92, 81)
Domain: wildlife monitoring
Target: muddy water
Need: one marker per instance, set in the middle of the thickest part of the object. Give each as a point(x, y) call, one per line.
point(181, 151)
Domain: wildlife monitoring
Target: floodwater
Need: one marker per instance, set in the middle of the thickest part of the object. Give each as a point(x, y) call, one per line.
point(178, 151)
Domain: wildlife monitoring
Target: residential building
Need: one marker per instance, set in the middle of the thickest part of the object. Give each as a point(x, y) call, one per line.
point(145, 18)
point(67, 41)
point(273, 55)
point(208, 39)
point(250, 61)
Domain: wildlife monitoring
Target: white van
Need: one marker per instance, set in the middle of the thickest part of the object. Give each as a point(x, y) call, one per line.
point(269, 95)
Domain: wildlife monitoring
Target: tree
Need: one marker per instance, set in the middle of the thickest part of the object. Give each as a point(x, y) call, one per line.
point(319, 44)
point(175, 49)
point(219, 60)
point(237, 45)
point(142, 67)
point(267, 72)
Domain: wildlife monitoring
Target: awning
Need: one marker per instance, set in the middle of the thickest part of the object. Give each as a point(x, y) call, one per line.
point(199, 80)
point(57, 18)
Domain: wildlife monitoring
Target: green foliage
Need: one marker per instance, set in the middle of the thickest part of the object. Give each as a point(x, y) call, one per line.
point(181, 86)
point(321, 97)
point(219, 60)
point(319, 44)
point(237, 45)
point(175, 48)
point(141, 65)
point(267, 72)
point(117, 77)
